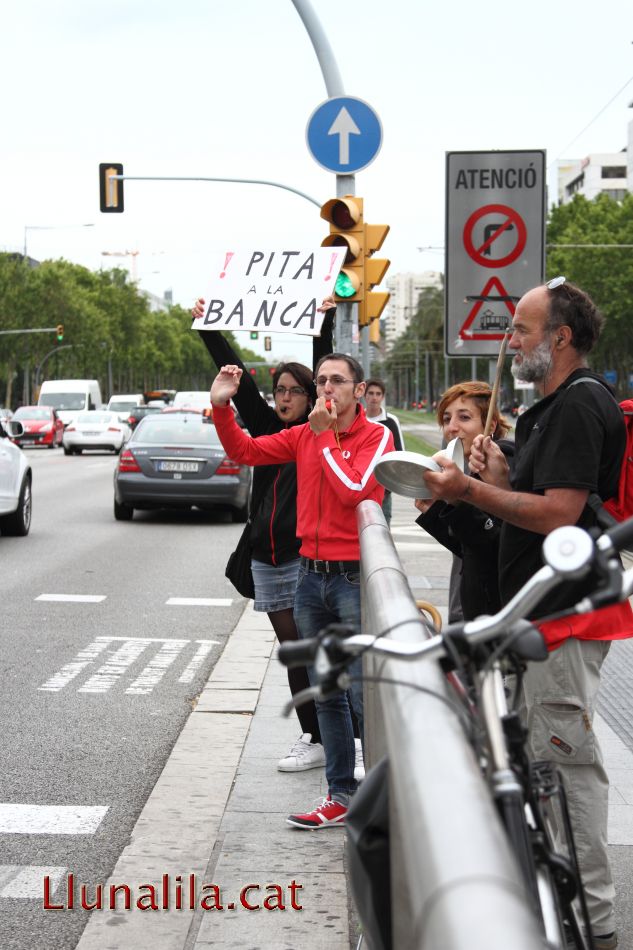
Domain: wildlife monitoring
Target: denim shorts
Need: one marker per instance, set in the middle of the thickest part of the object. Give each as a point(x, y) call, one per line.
point(275, 587)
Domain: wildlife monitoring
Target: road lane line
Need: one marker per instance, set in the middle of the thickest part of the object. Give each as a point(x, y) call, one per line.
point(16, 819)
point(73, 598)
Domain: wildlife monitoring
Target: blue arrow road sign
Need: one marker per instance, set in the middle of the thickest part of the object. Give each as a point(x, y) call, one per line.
point(344, 135)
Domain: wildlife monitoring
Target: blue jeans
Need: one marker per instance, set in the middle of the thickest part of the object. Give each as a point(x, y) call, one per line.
point(323, 599)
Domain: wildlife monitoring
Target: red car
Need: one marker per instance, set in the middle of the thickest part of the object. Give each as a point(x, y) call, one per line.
point(42, 426)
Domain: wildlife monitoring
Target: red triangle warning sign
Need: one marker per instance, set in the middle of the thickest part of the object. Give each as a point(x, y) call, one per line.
point(496, 317)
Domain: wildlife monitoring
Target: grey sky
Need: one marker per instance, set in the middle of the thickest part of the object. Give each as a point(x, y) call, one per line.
point(215, 88)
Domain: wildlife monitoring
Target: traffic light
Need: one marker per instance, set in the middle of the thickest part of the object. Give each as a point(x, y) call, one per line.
point(254, 335)
point(60, 332)
point(374, 332)
point(373, 303)
point(267, 343)
point(347, 229)
point(110, 189)
point(253, 371)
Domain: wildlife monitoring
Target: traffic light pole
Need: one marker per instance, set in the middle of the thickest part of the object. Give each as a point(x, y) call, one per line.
point(346, 313)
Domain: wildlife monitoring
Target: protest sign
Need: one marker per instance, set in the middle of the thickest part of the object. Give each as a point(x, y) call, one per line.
point(276, 291)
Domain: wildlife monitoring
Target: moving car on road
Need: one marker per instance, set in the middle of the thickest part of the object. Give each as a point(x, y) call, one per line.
point(15, 482)
point(139, 412)
point(96, 429)
point(174, 459)
point(42, 426)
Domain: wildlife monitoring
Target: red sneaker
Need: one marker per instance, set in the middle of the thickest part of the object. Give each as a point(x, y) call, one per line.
point(329, 814)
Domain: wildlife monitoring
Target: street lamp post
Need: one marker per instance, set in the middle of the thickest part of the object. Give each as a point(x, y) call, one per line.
point(49, 227)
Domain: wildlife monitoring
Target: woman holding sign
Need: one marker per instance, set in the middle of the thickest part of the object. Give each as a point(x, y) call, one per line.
point(469, 533)
point(265, 564)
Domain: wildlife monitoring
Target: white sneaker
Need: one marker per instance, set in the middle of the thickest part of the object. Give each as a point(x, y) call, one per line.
point(359, 764)
point(303, 755)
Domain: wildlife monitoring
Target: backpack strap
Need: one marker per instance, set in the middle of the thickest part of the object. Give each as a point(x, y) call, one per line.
point(594, 501)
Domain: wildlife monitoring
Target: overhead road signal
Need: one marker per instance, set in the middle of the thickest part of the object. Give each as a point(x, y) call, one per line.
point(110, 189)
point(59, 332)
point(347, 230)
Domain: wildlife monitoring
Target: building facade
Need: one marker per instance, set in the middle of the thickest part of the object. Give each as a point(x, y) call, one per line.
point(405, 290)
point(599, 173)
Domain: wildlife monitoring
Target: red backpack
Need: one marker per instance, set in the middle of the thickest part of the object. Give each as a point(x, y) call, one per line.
point(620, 507)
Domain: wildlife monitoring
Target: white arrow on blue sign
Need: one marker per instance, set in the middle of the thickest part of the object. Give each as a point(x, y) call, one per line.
point(344, 134)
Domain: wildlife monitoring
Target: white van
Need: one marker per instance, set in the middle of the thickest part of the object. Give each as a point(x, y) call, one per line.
point(123, 403)
point(196, 399)
point(70, 396)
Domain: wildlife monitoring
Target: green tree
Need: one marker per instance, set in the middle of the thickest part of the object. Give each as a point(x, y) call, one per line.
point(603, 270)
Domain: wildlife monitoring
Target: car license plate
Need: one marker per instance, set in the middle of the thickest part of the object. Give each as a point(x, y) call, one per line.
point(85, 432)
point(175, 466)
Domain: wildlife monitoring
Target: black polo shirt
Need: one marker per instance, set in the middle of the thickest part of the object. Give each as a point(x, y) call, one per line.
point(573, 438)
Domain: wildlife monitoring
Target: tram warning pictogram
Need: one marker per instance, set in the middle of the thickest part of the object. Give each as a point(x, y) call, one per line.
point(497, 309)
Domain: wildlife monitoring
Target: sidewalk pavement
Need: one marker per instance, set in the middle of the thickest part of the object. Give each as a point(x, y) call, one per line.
point(218, 810)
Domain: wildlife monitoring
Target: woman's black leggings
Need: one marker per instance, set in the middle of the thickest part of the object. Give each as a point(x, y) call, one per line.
point(285, 629)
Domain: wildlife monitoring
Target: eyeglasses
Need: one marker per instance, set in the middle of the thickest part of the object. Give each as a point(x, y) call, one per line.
point(555, 282)
point(292, 391)
point(332, 380)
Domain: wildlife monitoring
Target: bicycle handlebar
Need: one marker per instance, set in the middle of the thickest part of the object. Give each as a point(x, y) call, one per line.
point(570, 554)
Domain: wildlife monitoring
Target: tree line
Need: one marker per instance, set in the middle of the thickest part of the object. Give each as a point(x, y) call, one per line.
point(111, 333)
point(591, 244)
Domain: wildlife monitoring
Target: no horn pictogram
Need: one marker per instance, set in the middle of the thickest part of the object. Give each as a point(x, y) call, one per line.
point(504, 219)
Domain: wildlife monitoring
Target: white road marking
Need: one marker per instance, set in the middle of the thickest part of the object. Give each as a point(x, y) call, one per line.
point(203, 650)
point(156, 668)
point(199, 602)
point(114, 668)
point(18, 819)
point(71, 670)
point(26, 882)
point(107, 675)
point(73, 598)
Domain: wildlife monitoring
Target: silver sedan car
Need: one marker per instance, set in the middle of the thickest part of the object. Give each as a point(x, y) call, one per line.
point(174, 459)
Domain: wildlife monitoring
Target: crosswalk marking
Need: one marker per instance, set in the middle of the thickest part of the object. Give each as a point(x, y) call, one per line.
point(203, 651)
point(156, 668)
point(107, 675)
point(17, 819)
point(73, 598)
point(74, 668)
point(26, 882)
point(119, 661)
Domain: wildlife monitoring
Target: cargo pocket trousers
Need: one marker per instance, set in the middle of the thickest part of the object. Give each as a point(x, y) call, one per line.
point(560, 698)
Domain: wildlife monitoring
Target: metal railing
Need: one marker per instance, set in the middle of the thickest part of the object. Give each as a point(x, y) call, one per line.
point(454, 882)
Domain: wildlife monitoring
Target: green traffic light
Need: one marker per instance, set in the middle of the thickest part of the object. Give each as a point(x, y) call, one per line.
point(344, 286)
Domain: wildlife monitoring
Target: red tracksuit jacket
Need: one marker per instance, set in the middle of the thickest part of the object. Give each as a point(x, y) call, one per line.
point(331, 482)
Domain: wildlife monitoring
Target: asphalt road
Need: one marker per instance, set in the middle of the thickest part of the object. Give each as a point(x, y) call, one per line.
point(95, 691)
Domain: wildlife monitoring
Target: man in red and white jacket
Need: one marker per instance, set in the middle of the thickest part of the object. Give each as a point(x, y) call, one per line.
point(335, 453)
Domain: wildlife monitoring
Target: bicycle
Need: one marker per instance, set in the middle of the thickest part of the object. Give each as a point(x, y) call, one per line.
point(481, 653)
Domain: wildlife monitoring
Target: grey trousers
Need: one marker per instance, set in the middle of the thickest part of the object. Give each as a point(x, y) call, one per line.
point(560, 698)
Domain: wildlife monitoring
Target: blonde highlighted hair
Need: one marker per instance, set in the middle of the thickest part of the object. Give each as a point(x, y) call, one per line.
point(480, 394)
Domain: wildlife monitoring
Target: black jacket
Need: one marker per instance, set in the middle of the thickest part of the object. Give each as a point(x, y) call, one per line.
point(473, 535)
point(273, 508)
